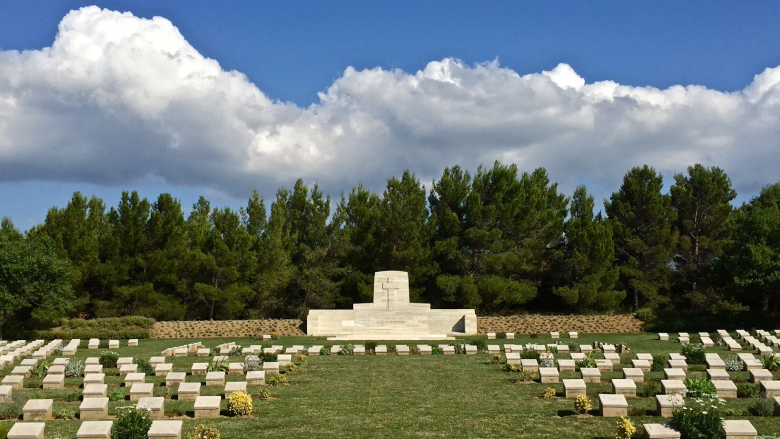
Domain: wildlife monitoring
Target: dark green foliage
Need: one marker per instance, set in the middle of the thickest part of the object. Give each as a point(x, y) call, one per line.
point(131, 424)
point(72, 396)
point(698, 420)
point(480, 343)
point(108, 359)
point(3, 432)
point(12, 410)
point(659, 363)
point(271, 357)
point(105, 328)
point(530, 354)
point(641, 218)
point(371, 346)
point(116, 395)
point(694, 353)
point(436, 350)
point(748, 390)
point(501, 335)
point(699, 387)
point(145, 367)
point(762, 407)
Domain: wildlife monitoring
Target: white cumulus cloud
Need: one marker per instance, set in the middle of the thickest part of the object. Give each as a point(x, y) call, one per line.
point(119, 99)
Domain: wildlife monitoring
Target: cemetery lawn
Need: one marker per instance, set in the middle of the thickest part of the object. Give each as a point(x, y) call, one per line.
point(397, 396)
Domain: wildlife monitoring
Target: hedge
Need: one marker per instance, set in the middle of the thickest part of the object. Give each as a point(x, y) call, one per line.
point(106, 328)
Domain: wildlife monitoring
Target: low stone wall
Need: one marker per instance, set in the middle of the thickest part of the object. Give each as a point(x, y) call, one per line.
point(526, 324)
point(541, 324)
point(226, 328)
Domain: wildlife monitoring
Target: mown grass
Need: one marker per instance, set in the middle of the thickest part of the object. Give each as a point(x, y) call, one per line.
point(390, 396)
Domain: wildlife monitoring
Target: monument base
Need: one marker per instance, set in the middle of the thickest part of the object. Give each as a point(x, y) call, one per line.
point(391, 316)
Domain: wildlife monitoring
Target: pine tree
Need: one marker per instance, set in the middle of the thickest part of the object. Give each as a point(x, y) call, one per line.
point(588, 268)
point(702, 200)
point(641, 219)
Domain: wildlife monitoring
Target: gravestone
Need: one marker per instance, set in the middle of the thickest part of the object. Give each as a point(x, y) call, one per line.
point(392, 316)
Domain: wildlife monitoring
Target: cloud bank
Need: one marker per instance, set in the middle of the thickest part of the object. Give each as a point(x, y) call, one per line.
point(118, 100)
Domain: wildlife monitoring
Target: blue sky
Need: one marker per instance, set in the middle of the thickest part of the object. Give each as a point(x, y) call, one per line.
point(291, 51)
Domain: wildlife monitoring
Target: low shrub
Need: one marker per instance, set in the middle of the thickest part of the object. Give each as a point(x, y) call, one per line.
point(762, 406)
point(74, 368)
point(549, 393)
point(501, 335)
point(699, 419)
point(11, 410)
point(552, 349)
point(509, 368)
point(529, 354)
point(436, 350)
point(290, 369)
point(219, 365)
point(733, 363)
point(392, 349)
point(748, 390)
point(73, 396)
point(693, 353)
point(573, 347)
point(252, 363)
point(103, 328)
point(588, 361)
point(528, 375)
point(202, 431)
point(301, 359)
point(40, 369)
point(145, 367)
point(699, 387)
point(625, 428)
point(582, 405)
point(414, 350)
point(64, 413)
point(371, 346)
point(496, 359)
point(277, 380)
point(325, 350)
point(263, 393)
point(108, 359)
point(659, 363)
point(131, 423)
point(275, 336)
point(770, 362)
point(239, 404)
point(459, 348)
point(270, 357)
point(116, 395)
point(547, 362)
point(480, 343)
point(650, 389)
point(347, 349)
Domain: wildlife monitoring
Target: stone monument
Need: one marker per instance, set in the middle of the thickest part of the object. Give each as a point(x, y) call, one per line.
point(391, 316)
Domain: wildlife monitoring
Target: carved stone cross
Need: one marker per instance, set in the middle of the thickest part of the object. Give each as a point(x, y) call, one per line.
point(391, 287)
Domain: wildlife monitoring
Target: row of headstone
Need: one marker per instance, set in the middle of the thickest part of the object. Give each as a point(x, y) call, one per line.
point(734, 428)
point(95, 430)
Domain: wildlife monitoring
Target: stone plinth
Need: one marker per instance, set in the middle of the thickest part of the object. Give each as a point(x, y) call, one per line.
point(38, 410)
point(660, 431)
point(271, 367)
point(566, 365)
point(127, 368)
point(56, 370)
point(155, 406)
point(156, 360)
point(93, 368)
point(141, 390)
point(255, 378)
point(123, 361)
point(215, 379)
point(207, 406)
point(634, 374)
point(604, 365)
point(165, 429)
point(673, 387)
point(643, 365)
point(758, 375)
point(200, 369)
point(94, 391)
point(739, 429)
point(95, 430)
point(27, 430)
point(54, 382)
point(573, 388)
point(529, 364)
point(189, 391)
point(666, 403)
point(548, 375)
point(93, 409)
point(678, 364)
point(174, 379)
point(612, 405)
point(717, 374)
point(133, 378)
point(770, 388)
point(671, 373)
point(391, 316)
point(725, 388)
point(163, 369)
point(6, 392)
point(590, 374)
point(624, 387)
point(716, 363)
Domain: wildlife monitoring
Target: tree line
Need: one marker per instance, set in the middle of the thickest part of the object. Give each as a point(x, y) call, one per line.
point(499, 241)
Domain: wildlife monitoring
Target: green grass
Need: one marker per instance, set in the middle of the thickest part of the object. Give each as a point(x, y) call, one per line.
point(391, 396)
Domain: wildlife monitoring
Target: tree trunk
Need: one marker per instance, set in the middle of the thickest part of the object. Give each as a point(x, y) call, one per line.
point(636, 300)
